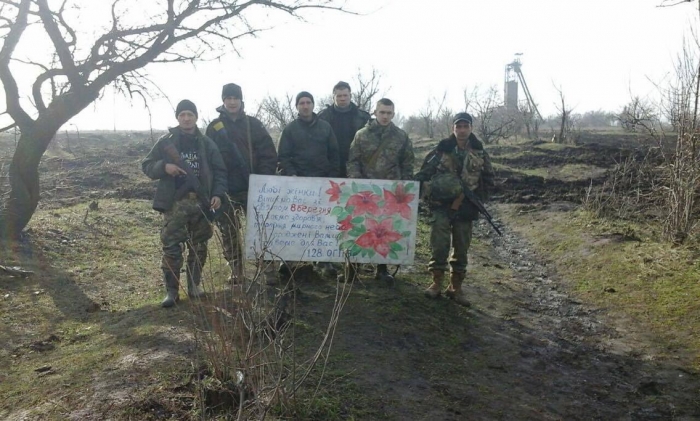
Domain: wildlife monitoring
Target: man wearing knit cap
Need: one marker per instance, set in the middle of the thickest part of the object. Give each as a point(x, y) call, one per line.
point(308, 148)
point(185, 202)
point(346, 119)
point(247, 148)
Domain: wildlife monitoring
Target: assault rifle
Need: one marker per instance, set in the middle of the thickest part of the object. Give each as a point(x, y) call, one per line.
point(466, 193)
point(192, 182)
point(469, 195)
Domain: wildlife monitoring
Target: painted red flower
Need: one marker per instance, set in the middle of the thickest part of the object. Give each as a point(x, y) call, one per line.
point(334, 191)
point(364, 202)
point(345, 224)
point(398, 202)
point(378, 236)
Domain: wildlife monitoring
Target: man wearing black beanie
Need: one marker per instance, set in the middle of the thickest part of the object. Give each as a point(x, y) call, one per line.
point(247, 148)
point(308, 148)
point(191, 184)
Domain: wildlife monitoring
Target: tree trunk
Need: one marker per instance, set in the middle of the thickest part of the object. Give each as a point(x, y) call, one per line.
point(24, 179)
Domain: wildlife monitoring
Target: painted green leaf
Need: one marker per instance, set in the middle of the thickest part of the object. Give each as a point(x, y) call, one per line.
point(346, 244)
point(344, 197)
point(355, 187)
point(396, 247)
point(377, 190)
point(398, 225)
point(357, 231)
point(357, 220)
point(355, 250)
point(337, 211)
point(371, 253)
point(408, 187)
point(406, 234)
point(393, 255)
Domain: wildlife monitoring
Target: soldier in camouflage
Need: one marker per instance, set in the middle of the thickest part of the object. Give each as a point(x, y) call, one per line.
point(458, 162)
point(185, 220)
point(381, 151)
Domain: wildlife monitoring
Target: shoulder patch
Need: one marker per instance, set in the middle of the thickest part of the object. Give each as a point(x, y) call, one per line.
point(218, 126)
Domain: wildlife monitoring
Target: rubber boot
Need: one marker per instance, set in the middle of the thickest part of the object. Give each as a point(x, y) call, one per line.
point(383, 275)
point(454, 291)
point(172, 287)
point(435, 289)
point(194, 280)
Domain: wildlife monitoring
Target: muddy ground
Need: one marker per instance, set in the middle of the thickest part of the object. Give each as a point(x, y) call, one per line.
point(527, 349)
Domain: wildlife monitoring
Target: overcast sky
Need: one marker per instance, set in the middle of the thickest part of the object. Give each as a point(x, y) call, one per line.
point(597, 51)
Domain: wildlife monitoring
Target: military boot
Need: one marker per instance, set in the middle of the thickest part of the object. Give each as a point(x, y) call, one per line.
point(382, 274)
point(454, 291)
point(194, 281)
point(435, 289)
point(172, 287)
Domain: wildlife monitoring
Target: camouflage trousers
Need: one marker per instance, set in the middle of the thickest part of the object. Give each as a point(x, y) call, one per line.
point(184, 226)
point(444, 232)
point(230, 227)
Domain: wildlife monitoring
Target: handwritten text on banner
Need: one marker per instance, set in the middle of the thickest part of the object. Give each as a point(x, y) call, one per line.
point(320, 219)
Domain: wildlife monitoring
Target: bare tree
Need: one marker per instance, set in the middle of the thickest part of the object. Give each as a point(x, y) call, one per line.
point(639, 114)
point(276, 113)
point(567, 125)
point(366, 89)
point(77, 67)
point(492, 121)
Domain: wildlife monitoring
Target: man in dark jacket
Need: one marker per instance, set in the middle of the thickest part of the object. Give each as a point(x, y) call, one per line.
point(185, 199)
point(346, 119)
point(458, 162)
point(247, 148)
point(308, 148)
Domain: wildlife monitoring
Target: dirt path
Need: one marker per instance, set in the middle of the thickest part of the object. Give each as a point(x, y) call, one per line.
point(526, 350)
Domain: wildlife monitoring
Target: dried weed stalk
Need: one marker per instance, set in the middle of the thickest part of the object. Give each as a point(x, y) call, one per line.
point(248, 364)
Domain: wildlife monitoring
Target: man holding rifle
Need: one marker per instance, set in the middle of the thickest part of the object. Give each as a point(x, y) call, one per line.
point(457, 176)
point(191, 178)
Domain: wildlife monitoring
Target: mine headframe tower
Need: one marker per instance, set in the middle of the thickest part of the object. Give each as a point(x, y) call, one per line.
point(513, 75)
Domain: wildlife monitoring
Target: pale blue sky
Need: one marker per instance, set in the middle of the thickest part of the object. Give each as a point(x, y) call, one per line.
point(596, 50)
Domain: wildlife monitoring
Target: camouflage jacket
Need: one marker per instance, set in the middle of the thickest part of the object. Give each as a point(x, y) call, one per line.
point(384, 153)
point(308, 149)
point(345, 125)
point(243, 138)
point(472, 166)
point(212, 173)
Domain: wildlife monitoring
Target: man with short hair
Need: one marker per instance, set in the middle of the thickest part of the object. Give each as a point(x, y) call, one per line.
point(346, 119)
point(308, 148)
point(247, 148)
point(381, 151)
point(191, 184)
point(457, 162)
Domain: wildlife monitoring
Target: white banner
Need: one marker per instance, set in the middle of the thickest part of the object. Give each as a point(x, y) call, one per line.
point(322, 219)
